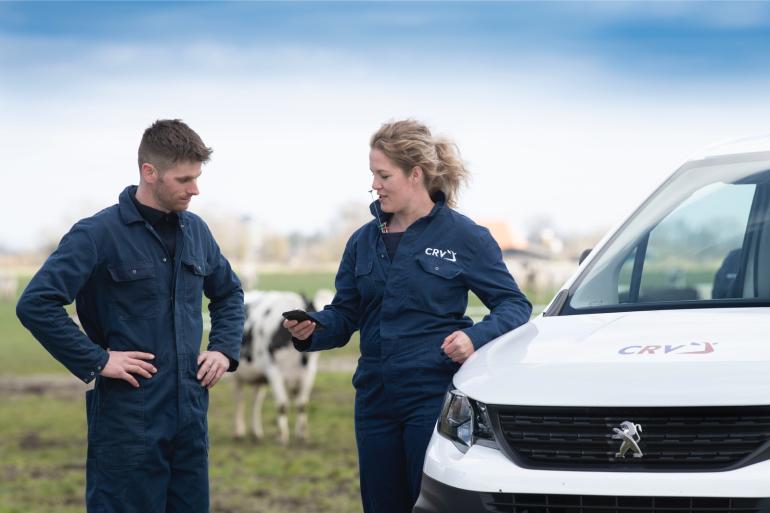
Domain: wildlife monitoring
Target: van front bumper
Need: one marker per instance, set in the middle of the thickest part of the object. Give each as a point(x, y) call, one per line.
point(482, 477)
point(484, 469)
point(436, 497)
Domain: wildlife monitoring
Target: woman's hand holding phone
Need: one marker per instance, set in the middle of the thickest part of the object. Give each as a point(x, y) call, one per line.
point(300, 324)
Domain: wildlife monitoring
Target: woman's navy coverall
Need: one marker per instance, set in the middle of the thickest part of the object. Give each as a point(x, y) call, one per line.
point(405, 307)
point(147, 447)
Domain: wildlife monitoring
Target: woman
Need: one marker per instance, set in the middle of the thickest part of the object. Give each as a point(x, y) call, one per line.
point(404, 281)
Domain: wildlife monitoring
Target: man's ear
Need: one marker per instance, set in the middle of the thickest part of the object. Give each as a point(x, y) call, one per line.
point(148, 173)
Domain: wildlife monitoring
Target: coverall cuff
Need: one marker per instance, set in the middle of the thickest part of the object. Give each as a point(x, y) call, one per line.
point(474, 336)
point(302, 345)
point(90, 375)
point(233, 361)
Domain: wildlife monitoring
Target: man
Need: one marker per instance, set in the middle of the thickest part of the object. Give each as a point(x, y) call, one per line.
point(137, 271)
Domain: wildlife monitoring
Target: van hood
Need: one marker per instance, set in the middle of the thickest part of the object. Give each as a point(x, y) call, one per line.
point(704, 357)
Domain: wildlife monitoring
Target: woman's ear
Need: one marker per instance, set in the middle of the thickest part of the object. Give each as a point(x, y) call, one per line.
point(416, 174)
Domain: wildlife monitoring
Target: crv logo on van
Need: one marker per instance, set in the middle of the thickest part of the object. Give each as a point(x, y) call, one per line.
point(691, 348)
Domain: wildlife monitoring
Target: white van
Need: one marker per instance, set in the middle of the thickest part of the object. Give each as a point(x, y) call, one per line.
point(645, 385)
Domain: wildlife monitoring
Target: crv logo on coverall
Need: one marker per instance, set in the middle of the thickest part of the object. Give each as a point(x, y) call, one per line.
point(448, 254)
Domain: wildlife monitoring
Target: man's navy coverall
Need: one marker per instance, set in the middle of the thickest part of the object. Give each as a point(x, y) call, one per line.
point(405, 307)
point(147, 446)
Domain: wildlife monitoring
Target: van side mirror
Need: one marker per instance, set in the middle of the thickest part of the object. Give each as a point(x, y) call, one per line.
point(584, 254)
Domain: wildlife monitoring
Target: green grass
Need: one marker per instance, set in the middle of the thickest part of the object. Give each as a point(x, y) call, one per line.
point(306, 283)
point(22, 353)
point(318, 476)
point(43, 446)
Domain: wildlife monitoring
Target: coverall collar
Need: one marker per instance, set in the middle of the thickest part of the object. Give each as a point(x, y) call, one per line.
point(152, 215)
point(438, 198)
point(130, 214)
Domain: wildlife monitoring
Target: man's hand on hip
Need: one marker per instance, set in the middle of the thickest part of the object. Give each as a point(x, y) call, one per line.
point(211, 366)
point(122, 364)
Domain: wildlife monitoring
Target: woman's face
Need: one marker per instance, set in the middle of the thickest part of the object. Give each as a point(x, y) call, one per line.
point(394, 188)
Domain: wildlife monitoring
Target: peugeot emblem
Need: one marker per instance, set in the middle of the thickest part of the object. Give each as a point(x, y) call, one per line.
point(629, 433)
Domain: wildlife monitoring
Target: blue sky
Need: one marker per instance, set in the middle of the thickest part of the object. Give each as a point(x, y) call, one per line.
point(573, 110)
point(670, 40)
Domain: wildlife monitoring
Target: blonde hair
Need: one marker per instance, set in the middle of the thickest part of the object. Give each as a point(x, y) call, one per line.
point(409, 143)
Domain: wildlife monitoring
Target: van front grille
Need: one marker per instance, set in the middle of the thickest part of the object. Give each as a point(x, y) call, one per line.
point(669, 439)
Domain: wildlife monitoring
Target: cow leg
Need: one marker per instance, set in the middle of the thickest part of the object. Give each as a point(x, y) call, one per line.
point(256, 414)
point(240, 422)
point(281, 397)
point(301, 428)
point(303, 397)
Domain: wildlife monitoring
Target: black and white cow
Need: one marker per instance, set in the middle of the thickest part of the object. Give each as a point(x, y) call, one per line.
point(269, 358)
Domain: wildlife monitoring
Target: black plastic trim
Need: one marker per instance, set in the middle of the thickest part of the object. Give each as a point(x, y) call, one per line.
point(557, 304)
point(684, 305)
point(437, 497)
point(761, 453)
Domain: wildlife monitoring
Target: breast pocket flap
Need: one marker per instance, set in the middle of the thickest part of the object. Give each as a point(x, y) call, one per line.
point(439, 267)
point(196, 266)
point(363, 266)
point(131, 271)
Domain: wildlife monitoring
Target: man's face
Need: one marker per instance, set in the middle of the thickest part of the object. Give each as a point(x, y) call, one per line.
point(173, 189)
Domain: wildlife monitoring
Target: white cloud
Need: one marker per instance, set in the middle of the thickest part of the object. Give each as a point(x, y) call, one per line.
point(290, 129)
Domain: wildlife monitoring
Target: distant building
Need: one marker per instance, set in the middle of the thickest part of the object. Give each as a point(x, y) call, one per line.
point(506, 238)
point(537, 266)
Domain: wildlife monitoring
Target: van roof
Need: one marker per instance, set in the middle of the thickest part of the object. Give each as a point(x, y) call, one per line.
point(751, 144)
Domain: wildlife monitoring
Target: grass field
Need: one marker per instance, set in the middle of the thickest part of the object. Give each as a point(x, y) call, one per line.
point(42, 447)
point(42, 468)
point(43, 442)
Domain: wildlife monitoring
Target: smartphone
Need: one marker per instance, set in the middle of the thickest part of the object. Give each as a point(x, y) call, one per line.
point(301, 315)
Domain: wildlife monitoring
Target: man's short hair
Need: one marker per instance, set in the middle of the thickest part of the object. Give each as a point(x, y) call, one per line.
point(168, 141)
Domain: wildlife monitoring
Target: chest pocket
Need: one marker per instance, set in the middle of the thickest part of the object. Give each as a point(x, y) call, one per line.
point(194, 271)
point(368, 281)
point(438, 286)
point(363, 265)
point(135, 290)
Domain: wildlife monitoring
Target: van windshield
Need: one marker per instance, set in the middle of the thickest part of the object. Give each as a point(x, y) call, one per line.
point(701, 240)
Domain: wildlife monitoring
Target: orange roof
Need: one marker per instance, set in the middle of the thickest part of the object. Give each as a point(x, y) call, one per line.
point(503, 234)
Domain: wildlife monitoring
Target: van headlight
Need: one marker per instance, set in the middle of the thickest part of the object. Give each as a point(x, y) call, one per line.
point(465, 422)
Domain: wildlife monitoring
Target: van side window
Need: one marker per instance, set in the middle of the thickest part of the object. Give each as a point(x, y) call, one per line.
point(624, 278)
point(701, 240)
point(695, 250)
